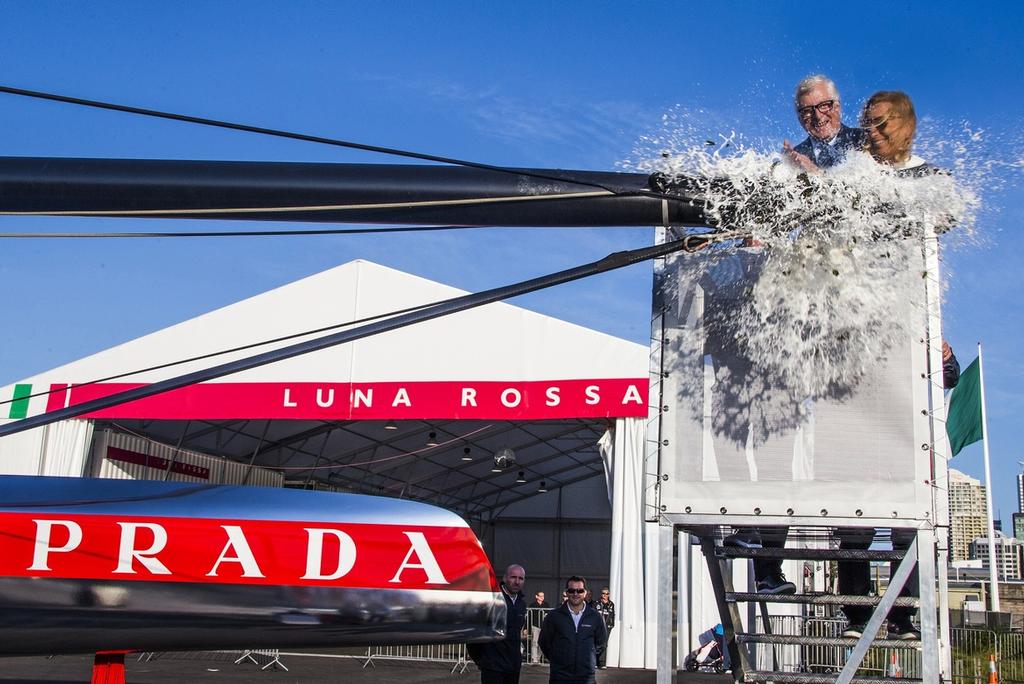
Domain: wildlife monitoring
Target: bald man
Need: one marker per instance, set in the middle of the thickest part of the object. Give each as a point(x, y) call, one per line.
point(501, 661)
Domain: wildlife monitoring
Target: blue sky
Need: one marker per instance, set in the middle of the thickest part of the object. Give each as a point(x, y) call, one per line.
point(571, 84)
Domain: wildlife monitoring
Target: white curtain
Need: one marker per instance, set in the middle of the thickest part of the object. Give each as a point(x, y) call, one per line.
point(65, 448)
point(622, 451)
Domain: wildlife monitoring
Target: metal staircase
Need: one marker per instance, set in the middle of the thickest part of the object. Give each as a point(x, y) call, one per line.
point(742, 643)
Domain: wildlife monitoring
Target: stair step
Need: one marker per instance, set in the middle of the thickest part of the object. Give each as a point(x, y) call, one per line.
point(816, 678)
point(792, 640)
point(809, 554)
point(818, 599)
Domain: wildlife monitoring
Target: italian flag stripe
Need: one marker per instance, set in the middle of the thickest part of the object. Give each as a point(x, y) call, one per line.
point(19, 405)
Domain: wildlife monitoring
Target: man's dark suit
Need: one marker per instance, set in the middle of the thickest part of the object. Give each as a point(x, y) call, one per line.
point(847, 139)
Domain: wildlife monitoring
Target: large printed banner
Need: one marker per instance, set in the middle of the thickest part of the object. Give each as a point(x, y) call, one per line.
point(739, 439)
point(466, 400)
point(256, 552)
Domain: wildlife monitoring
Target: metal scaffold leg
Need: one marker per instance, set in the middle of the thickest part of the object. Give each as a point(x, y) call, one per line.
point(666, 608)
point(913, 550)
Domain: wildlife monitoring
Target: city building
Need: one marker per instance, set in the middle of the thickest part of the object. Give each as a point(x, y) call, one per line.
point(1008, 555)
point(967, 518)
point(1018, 526)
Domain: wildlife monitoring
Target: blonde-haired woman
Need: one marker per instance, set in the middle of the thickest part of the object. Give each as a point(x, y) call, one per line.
point(890, 123)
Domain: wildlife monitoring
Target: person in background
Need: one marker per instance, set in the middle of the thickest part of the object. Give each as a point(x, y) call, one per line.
point(535, 616)
point(606, 608)
point(891, 123)
point(572, 636)
point(500, 662)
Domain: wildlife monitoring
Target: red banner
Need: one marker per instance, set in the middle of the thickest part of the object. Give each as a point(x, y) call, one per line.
point(456, 400)
point(265, 552)
point(158, 463)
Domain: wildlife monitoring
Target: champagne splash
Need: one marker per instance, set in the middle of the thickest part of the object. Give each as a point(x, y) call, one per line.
point(832, 259)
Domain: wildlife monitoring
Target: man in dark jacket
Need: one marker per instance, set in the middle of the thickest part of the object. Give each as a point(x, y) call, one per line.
point(820, 113)
point(572, 637)
point(501, 661)
point(606, 607)
point(819, 110)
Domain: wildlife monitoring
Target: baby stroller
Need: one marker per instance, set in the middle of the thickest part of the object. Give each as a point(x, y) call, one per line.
point(710, 656)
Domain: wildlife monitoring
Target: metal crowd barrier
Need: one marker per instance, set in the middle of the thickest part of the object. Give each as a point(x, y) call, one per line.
point(971, 651)
point(828, 659)
point(264, 657)
point(531, 649)
point(453, 654)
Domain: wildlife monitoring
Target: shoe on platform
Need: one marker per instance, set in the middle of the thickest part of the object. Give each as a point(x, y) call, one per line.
point(854, 631)
point(775, 584)
point(744, 540)
point(904, 631)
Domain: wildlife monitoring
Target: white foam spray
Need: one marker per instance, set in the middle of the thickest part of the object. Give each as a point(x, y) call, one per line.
point(837, 252)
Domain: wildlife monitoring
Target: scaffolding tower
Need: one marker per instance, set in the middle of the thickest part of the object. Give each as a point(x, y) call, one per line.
point(702, 489)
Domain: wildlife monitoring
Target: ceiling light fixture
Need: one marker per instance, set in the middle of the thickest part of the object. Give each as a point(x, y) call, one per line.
point(465, 455)
point(432, 439)
point(543, 488)
point(504, 458)
point(390, 425)
point(522, 477)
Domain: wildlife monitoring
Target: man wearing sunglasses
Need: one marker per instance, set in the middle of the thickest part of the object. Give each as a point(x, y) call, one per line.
point(820, 113)
point(572, 636)
point(606, 607)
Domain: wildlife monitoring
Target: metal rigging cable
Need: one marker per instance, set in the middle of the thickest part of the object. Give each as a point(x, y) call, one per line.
point(236, 233)
point(54, 97)
point(408, 316)
point(222, 352)
point(689, 243)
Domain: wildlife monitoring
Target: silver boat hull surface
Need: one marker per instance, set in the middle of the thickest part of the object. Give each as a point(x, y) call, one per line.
point(95, 565)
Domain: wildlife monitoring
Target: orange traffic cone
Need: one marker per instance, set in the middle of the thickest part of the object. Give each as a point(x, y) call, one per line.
point(993, 675)
point(894, 667)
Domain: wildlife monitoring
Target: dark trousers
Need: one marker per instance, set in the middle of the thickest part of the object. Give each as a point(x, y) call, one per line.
point(583, 680)
point(769, 538)
point(494, 677)
point(602, 655)
point(855, 575)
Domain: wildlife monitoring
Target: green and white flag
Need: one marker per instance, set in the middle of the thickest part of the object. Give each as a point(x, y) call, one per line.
point(963, 419)
point(18, 405)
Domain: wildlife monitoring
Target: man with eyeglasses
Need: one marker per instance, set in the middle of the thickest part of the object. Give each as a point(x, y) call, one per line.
point(500, 662)
point(572, 637)
point(819, 110)
point(820, 113)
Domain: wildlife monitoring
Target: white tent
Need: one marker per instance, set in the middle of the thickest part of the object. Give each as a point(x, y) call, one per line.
point(421, 412)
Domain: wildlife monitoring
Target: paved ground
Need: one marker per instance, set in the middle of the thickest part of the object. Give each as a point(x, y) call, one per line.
point(220, 669)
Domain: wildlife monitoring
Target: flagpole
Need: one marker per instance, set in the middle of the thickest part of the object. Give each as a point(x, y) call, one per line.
point(993, 571)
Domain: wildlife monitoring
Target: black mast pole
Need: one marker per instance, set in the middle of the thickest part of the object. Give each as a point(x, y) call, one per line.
point(339, 193)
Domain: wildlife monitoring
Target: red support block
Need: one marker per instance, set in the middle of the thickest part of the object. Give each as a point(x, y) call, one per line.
point(108, 668)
